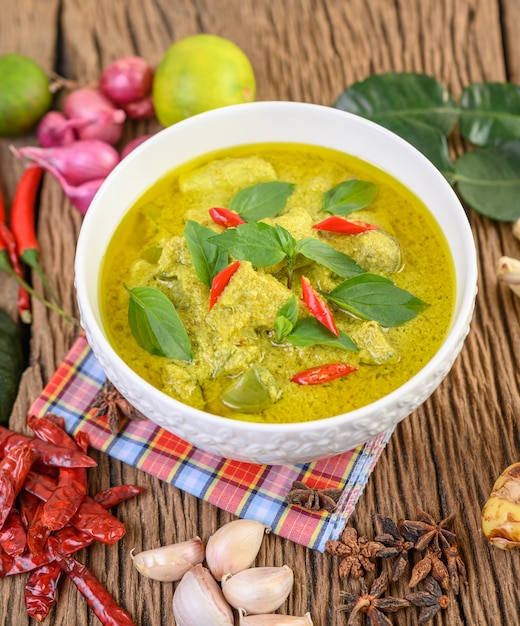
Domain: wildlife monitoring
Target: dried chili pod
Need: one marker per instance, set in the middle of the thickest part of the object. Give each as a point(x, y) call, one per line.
point(40, 590)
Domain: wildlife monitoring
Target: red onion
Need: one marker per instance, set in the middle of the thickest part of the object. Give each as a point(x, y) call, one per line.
point(80, 196)
point(127, 79)
point(55, 130)
point(93, 115)
point(131, 145)
point(140, 109)
point(82, 161)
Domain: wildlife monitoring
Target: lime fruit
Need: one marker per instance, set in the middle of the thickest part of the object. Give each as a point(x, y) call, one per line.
point(24, 94)
point(199, 73)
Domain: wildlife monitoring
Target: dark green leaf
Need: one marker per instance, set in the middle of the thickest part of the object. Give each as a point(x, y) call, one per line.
point(309, 332)
point(11, 365)
point(255, 242)
point(156, 325)
point(287, 241)
point(261, 200)
point(488, 180)
point(348, 196)
point(490, 113)
point(321, 252)
point(374, 297)
point(286, 318)
point(282, 327)
point(401, 95)
point(208, 259)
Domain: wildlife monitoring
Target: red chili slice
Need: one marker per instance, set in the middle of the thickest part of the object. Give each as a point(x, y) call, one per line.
point(344, 225)
point(323, 373)
point(225, 217)
point(220, 282)
point(317, 306)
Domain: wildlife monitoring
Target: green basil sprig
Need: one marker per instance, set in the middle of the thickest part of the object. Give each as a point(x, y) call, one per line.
point(374, 297)
point(207, 258)
point(262, 200)
point(156, 325)
point(348, 196)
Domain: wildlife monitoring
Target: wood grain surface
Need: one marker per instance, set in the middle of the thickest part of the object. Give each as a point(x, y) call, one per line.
point(446, 456)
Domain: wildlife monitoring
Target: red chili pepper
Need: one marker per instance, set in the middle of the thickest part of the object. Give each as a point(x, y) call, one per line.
point(39, 485)
point(317, 306)
point(40, 590)
point(13, 538)
point(220, 282)
point(95, 520)
point(38, 532)
point(225, 217)
point(14, 467)
point(323, 373)
point(98, 598)
point(344, 225)
point(10, 264)
point(28, 506)
point(114, 495)
point(47, 430)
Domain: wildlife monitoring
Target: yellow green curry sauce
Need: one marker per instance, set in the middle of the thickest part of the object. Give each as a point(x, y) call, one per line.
point(427, 273)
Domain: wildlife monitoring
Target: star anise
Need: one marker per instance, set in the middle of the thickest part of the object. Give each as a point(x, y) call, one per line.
point(370, 603)
point(397, 542)
point(428, 532)
point(110, 403)
point(456, 567)
point(313, 499)
point(357, 552)
point(430, 564)
point(431, 600)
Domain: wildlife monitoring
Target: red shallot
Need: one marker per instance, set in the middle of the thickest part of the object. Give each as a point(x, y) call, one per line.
point(127, 79)
point(84, 160)
point(80, 195)
point(55, 130)
point(140, 109)
point(93, 115)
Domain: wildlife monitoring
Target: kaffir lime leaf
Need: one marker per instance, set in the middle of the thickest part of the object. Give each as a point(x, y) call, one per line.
point(24, 94)
point(199, 73)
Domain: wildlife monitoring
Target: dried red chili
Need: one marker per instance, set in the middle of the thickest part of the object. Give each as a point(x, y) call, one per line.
point(14, 468)
point(13, 538)
point(225, 217)
point(114, 495)
point(40, 590)
point(344, 225)
point(98, 598)
point(96, 521)
point(220, 282)
point(323, 373)
point(317, 306)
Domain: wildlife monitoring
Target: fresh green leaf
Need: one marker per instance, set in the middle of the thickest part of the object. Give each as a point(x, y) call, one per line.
point(156, 325)
point(286, 318)
point(282, 327)
point(287, 241)
point(261, 200)
point(325, 254)
point(11, 365)
point(488, 180)
point(401, 95)
point(208, 259)
point(255, 242)
point(490, 113)
point(350, 195)
point(309, 332)
point(374, 297)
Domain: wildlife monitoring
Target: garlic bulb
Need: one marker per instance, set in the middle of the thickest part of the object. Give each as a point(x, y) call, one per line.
point(169, 563)
point(198, 601)
point(234, 546)
point(273, 619)
point(258, 589)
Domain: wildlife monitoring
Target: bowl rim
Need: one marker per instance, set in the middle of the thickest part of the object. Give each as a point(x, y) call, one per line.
point(461, 318)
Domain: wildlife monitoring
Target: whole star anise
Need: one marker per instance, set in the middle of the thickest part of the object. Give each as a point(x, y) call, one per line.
point(431, 564)
point(110, 403)
point(371, 604)
point(313, 499)
point(397, 542)
point(429, 532)
point(431, 600)
point(357, 552)
point(455, 565)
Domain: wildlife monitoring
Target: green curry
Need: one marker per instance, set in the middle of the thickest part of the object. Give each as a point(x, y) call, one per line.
point(239, 358)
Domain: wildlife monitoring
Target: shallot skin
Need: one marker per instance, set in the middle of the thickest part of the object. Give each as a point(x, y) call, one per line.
point(127, 80)
point(55, 130)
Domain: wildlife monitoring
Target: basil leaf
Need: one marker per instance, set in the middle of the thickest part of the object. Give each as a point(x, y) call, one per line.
point(261, 200)
point(490, 113)
point(286, 318)
point(255, 242)
point(208, 260)
point(282, 327)
point(287, 241)
point(325, 254)
point(348, 196)
point(488, 179)
point(374, 297)
point(309, 332)
point(156, 325)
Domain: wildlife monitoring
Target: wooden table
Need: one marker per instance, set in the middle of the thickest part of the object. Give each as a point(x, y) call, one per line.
point(446, 456)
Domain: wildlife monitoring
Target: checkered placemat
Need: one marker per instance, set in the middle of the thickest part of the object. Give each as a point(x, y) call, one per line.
point(245, 489)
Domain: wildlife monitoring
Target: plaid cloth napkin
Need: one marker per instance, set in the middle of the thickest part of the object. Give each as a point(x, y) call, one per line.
point(245, 489)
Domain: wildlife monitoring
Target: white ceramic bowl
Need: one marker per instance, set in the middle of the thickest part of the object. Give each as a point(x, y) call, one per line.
point(273, 122)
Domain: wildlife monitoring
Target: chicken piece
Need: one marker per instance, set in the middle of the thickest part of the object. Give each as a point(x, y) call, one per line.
point(374, 346)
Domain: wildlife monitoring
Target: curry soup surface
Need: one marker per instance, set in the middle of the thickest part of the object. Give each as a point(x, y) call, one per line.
point(148, 249)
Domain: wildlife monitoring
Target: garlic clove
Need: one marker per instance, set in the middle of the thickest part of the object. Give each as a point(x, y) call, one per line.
point(234, 546)
point(508, 271)
point(198, 601)
point(169, 563)
point(258, 589)
point(273, 619)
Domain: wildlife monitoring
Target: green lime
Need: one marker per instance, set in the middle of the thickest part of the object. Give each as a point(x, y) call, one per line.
point(24, 94)
point(199, 73)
